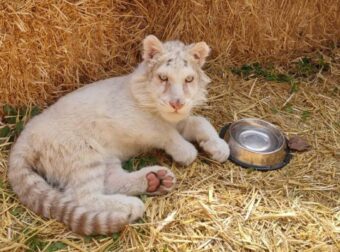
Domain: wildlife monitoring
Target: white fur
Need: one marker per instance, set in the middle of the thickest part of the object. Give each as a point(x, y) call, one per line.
point(80, 141)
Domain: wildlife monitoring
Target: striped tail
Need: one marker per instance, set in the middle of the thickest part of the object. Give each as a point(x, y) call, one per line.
point(34, 192)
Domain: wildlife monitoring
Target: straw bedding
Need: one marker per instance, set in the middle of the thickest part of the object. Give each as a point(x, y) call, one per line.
point(51, 47)
point(224, 207)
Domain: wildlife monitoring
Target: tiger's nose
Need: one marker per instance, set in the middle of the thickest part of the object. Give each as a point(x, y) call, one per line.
point(176, 104)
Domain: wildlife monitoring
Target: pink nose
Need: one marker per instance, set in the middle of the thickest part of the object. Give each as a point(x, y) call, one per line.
point(176, 104)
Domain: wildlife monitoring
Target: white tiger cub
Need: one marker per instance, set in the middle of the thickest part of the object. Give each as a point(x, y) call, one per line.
point(66, 164)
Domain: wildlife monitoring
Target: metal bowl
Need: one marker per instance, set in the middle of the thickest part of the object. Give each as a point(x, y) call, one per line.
point(257, 144)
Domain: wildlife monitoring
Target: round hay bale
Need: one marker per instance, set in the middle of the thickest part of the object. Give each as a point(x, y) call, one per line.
point(50, 47)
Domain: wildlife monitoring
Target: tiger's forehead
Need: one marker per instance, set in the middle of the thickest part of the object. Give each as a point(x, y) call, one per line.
point(177, 65)
point(176, 55)
point(176, 62)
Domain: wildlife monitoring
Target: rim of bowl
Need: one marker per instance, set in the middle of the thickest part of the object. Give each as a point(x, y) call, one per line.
point(257, 120)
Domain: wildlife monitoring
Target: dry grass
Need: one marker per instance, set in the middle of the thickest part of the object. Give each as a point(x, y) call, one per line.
point(224, 207)
point(50, 47)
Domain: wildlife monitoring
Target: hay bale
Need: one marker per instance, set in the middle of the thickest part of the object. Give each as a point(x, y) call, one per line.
point(50, 47)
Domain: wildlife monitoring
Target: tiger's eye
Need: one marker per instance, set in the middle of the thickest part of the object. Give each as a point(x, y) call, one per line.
point(163, 77)
point(189, 79)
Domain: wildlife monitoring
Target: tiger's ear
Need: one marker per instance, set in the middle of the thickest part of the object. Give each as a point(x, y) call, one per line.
point(200, 51)
point(151, 47)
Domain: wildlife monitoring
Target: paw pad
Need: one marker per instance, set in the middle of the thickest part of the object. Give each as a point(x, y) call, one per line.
point(160, 181)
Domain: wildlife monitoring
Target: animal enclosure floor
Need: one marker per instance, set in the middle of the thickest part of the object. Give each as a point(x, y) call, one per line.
point(222, 207)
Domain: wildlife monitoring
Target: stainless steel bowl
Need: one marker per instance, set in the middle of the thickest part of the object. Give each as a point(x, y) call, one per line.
point(257, 144)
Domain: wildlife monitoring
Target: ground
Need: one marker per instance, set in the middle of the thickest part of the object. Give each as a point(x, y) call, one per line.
point(223, 207)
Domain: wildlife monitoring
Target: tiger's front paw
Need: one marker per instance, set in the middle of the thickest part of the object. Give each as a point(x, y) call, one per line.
point(184, 153)
point(217, 148)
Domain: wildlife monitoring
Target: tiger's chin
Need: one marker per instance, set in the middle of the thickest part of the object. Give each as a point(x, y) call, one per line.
point(174, 117)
